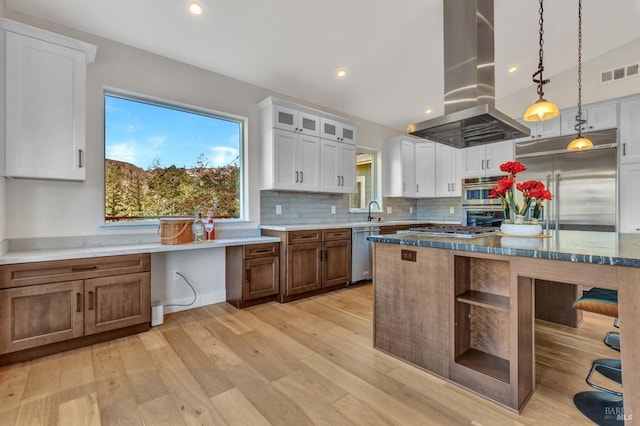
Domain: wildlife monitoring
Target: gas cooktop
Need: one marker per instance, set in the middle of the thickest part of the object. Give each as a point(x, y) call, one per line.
point(457, 230)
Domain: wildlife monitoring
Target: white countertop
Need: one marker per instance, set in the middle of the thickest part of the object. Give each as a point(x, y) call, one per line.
point(115, 250)
point(334, 225)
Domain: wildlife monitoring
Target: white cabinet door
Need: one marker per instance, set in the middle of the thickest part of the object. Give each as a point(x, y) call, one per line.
point(408, 169)
point(338, 163)
point(286, 118)
point(348, 134)
point(629, 200)
point(540, 129)
point(296, 161)
point(474, 160)
point(348, 185)
point(443, 170)
point(598, 117)
point(337, 131)
point(330, 176)
point(457, 157)
point(448, 171)
point(425, 158)
point(45, 109)
point(286, 174)
point(496, 154)
point(629, 131)
point(308, 160)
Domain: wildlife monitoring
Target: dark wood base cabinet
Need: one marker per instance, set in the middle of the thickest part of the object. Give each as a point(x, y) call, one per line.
point(45, 304)
point(252, 274)
point(313, 261)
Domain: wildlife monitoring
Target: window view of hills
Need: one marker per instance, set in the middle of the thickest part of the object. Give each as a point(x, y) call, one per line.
point(134, 193)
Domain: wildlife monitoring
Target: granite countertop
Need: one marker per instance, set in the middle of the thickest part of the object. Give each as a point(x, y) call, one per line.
point(334, 225)
point(604, 248)
point(115, 250)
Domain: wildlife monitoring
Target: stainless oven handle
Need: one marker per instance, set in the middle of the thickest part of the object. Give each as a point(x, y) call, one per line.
point(556, 194)
point(548, 209)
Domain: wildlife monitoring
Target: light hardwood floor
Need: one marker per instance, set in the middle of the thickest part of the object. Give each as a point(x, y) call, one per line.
point(305, 362)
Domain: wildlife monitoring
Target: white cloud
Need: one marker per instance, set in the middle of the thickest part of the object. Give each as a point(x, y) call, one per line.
point(156, 141)
point(222, 155)
point(123, 151)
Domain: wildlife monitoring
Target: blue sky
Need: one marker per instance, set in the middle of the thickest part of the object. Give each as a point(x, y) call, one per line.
point(137, 133)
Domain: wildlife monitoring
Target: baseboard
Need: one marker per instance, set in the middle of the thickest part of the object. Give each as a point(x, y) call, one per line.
point(202, 300)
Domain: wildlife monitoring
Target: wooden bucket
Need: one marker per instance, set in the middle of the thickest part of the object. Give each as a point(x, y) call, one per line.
point(176, 231)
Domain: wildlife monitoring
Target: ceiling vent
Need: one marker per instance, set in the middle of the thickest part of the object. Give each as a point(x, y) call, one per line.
point(620, 73)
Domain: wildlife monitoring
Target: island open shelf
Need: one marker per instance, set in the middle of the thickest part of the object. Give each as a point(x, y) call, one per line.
point(485, 363)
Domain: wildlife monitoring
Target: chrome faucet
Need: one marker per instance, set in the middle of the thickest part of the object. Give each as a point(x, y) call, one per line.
point(370, 218)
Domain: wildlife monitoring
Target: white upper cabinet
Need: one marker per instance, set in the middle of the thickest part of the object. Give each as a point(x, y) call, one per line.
point(45, 84)
point(425, 157)
point(629, 132)
point(295, 121)
point(297, 154)
point(338, 171)
point(486, 159)
point(448, 171)
point(297, 161)
point(337, 131)
point(540, 129)
point(408, 168)
point(598, 116)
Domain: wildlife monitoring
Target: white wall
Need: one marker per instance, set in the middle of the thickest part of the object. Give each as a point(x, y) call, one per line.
point(563, 88)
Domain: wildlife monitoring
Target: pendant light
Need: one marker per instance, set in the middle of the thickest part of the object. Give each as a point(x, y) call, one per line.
point(542, 109)
point(580, 143)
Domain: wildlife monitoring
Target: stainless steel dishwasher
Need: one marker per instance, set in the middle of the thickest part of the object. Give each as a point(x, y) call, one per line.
point(361, 256)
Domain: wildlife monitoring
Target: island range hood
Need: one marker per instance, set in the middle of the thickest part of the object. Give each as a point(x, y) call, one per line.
point(470, 117)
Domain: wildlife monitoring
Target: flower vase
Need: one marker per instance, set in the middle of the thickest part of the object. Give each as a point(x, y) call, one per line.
point(521, 229)
point(518, 219)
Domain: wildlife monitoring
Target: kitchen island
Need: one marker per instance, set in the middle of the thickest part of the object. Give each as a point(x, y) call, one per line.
point(463, 308)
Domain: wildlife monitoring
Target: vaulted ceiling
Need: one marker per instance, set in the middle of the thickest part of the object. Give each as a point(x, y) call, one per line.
point(392, 50)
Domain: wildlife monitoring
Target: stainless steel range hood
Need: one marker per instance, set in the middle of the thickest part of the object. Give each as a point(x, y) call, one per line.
point(469, 82)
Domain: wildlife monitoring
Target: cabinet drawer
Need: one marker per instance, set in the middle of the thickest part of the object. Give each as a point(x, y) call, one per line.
point(253, 251)
point(24, 274)
point(297, 237)
point(336, 234)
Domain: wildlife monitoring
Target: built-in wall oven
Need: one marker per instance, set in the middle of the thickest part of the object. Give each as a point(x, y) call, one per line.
point(478, 208)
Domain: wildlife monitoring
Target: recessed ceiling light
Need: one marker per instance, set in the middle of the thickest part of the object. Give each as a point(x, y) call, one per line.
point(341, 73)
point(428, 111)
point(512, 69)
point(195, 8)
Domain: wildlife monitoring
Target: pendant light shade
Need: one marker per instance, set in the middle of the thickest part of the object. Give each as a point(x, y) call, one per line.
point(580, 143)
point(542, 109)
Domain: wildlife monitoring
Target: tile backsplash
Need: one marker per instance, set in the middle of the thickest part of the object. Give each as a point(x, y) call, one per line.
point(439, 209)
point(303, 207)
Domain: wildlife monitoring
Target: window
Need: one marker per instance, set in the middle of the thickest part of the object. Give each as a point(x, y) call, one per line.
point(169, 160)
point(367, 180)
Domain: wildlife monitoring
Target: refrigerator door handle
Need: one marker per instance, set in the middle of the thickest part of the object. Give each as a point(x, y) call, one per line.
point(556, 194)
point(548, 207)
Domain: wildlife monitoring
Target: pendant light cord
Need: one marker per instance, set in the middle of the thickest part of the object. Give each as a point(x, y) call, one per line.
point(540, 81)
point(579, 120)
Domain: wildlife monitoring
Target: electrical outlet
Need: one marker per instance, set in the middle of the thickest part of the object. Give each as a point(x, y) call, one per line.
point(389, 210)
point(410, 209)
point(333, 209)
point(278, 209)
point(452, 210)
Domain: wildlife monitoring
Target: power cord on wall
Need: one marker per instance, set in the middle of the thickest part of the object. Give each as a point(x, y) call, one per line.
point(195, 295)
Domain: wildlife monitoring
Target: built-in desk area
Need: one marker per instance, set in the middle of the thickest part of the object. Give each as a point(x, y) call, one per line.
point(463, 308)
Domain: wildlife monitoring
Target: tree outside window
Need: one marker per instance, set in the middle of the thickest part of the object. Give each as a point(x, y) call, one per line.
point(163, 160)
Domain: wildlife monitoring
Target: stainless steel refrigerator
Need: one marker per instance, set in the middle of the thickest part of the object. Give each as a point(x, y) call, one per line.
point(583, 184)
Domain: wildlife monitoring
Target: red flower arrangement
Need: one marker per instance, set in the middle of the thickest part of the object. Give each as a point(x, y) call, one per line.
point(533, 191)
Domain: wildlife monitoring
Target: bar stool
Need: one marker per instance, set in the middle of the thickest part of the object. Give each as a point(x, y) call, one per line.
point(604, 406)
